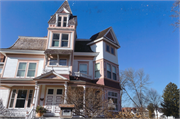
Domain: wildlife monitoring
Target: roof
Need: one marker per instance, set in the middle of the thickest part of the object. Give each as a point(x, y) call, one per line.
point(57, 51)
point(29, 43)
point(66, 6)
point(81, 46)
point(99, 34)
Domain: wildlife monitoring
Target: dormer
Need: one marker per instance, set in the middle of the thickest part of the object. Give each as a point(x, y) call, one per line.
point(63, 18)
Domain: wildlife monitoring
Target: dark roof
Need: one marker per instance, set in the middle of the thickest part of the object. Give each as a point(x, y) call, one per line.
point(81, 46)
point(112, 84)
point(99, 34)
point(73, 20)
point(28, 43)
point(75, 78)
point(57, 51)
point(66, 6)
point(52, 19)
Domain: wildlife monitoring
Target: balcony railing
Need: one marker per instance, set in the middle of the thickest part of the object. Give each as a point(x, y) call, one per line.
point(79, 74)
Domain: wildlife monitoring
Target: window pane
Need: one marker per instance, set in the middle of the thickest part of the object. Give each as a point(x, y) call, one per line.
point(113, 69)
point(55, 43)
point(64, 24)
point(29, 98)
point(112, 50)
point(107, 48)
point(21, 73)
point(29, 103)
point(31, 73)
point(114, 76)
point(50, 91)
point(32, 66)
point(59, 19)
point(21, 98)
point(64, 36)
point(108, 67)
point(59, 91)
point(11, 103)
point(64, 43)
point(12, 98)
point(56, 36)
point(62, 62)
point(83, 68)
point(97, 66)
point(109, 74)
point(97, 74)
point(0, 69)
point(53, 62)
point(22, 65)
point(65, 18)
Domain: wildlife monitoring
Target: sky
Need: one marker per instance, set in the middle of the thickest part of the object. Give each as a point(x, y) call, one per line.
point(143, 29)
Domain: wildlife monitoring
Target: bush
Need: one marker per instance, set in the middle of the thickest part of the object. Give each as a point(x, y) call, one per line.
point(40, 109)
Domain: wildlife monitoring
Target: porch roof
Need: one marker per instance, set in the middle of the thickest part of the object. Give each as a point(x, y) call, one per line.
point(55, 51)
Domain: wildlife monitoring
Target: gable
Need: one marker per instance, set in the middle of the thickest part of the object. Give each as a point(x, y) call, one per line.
point(52, 76)
point(109, 36)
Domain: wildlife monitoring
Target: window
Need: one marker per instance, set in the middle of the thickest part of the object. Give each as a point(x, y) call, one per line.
point(20, 102)
point(65, 22)
point(107, 48)
point(50, 91)
point(63, 62)
point(97, 70)
point(64, 40)
point(108, 71)
point(59, 91)
point(31, 70)
point(57, 61)
point(113, 96)
point(112, 50)
point(1, 67)
point(30, 98)
point(21, 69)
point(59, 21)
point(83, 68)
point(114, 72)
point(55, 41)
point(12, 98)
point(26, 69)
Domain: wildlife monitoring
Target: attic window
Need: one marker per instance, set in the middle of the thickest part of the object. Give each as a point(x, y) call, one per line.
point(59, 21)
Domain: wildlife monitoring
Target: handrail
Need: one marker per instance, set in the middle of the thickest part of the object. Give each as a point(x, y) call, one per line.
point(79, 74)
point(30, 114)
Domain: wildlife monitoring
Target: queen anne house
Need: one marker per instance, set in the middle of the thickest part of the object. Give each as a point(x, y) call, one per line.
point(38, 70)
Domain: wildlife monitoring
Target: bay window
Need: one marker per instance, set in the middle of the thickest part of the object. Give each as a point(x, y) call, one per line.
point(97, 70)
point(26, 69)
point(56, 60)
point(83, 68)
point(108, 71)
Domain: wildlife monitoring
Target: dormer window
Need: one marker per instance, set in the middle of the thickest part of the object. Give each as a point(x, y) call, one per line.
point(62, 21)
point(65, 22)
point(59, 21)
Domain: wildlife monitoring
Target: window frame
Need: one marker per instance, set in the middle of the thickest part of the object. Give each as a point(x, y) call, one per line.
point(57, 62)
point(83, 62)
point(97, 70)
point(55, 40)
point(115, 97)
point(110, 49)
point(26, 69)
point(15, 98)
point(114, 72)
point(62, 20)
point(64, 40)
point(60, 40)
point(109, 71)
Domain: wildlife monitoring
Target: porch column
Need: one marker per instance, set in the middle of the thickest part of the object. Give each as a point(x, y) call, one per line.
point(65, 93)
point(36, 95)
point(84, 97)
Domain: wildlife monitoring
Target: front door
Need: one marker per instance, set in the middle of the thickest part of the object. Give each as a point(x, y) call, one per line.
point(53, 99)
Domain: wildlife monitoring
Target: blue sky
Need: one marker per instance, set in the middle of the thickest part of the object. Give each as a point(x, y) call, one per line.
point(142, 28)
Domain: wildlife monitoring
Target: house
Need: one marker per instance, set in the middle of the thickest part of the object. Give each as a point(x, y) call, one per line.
point(38, 70)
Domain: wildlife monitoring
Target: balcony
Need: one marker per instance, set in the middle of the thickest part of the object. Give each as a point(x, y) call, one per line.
point(79, 74)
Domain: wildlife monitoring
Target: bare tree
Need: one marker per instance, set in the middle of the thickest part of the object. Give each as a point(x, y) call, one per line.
point(154, 98)
point(134, 84)
point(92, 105)
point(176, 11)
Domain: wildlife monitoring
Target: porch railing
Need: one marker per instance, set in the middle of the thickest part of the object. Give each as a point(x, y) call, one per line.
point(30, 114)
point(79, 74)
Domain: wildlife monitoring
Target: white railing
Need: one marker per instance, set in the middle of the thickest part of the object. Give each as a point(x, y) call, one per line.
point(30, 114)
point(79, 74)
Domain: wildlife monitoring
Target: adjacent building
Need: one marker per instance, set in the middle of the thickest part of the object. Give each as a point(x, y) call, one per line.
point(38, 70)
